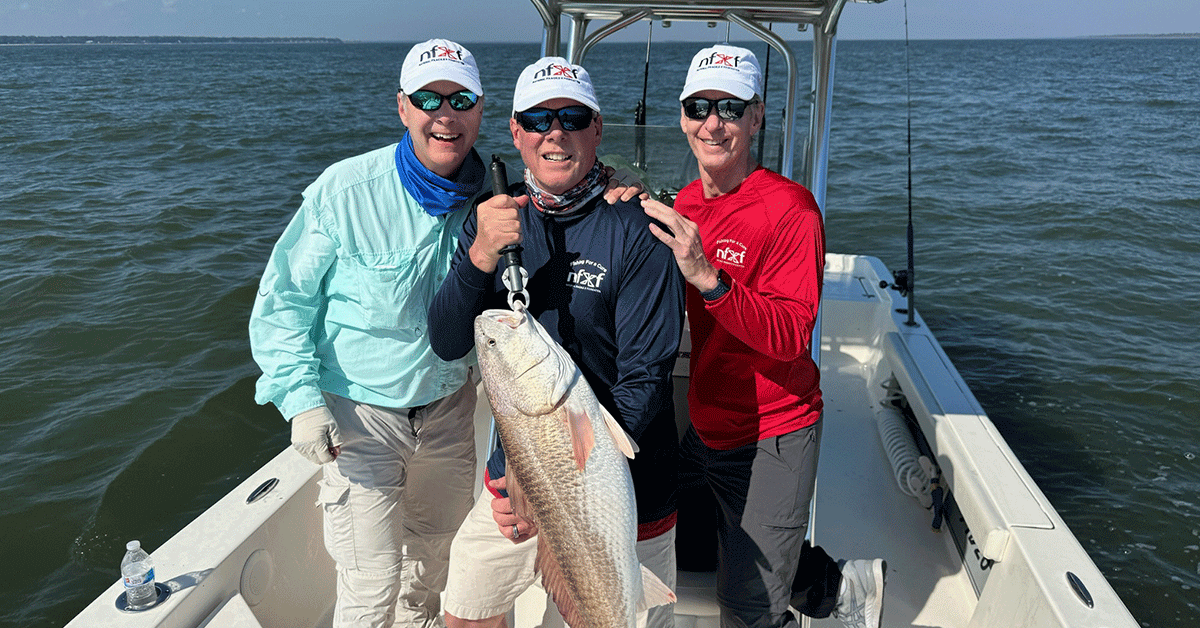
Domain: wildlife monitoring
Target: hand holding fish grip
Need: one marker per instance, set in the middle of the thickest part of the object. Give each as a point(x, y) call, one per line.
point(514, 273)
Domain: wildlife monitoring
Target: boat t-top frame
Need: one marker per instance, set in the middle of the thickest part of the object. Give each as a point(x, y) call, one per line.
point(752, 15)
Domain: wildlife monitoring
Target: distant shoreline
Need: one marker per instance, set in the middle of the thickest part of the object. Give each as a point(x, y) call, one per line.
point(157, 39)
point(1162, 36)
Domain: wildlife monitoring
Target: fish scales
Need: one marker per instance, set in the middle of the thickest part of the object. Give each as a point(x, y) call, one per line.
point(575, 527)
point(567, 472)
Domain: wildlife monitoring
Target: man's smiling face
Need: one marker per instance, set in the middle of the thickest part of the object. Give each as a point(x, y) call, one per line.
point(442, 138)
point(557, 159)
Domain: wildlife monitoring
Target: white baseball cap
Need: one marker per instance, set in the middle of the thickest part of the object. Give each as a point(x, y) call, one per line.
point(553, 77)
point(728, 69)
point(439, 60)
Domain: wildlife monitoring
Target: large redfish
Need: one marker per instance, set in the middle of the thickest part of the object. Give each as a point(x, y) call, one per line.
point(567, 473)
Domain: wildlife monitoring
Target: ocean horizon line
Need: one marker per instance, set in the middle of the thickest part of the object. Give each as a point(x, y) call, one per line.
point(204, 39)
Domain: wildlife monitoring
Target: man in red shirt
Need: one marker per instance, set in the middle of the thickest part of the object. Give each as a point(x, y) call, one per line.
point(752, 245)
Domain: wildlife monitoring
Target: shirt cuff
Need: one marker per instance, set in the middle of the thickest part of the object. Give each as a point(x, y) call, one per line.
point(473, 277)
point(299, 400)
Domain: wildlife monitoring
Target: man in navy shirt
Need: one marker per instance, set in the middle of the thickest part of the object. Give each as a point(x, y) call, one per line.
point(605, 289)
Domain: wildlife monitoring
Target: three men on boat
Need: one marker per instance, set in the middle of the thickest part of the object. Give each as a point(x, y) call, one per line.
point(340, 332)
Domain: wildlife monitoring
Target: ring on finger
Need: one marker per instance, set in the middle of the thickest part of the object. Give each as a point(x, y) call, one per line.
point(516, 534)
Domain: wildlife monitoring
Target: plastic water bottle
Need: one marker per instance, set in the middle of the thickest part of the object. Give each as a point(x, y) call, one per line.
point(137, 571)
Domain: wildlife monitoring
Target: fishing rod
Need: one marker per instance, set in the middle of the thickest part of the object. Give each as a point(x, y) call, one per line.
point(639, 115)
point(905, 280)
point(911, 275)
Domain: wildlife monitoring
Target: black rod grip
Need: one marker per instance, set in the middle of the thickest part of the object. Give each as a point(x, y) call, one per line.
point(511, 253)
point(499, 176)
point(510, 256)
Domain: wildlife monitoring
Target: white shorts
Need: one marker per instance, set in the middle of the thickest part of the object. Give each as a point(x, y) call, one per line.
point(488, 572)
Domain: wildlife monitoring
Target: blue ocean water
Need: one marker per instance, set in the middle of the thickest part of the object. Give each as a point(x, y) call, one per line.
point(1055, 191)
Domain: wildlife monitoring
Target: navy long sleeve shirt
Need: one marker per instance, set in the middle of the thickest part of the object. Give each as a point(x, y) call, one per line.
point(611, 294)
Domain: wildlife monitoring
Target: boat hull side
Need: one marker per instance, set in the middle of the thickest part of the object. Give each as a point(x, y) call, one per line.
point(269, 553)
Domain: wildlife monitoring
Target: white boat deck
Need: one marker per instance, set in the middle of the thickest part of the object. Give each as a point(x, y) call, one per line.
point(264, 564)
point(861, 513)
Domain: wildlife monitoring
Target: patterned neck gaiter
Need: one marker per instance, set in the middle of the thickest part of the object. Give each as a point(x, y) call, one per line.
point(590, 187)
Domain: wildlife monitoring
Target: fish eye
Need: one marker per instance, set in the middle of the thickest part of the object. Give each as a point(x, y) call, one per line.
point(491, 342)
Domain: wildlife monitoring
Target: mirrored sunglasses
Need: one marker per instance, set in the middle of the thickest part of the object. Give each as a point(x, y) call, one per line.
point(727, 108)
point(539, 119)
point(426, 100)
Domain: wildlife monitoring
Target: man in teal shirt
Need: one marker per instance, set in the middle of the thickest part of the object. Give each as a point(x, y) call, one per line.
point(338, 329)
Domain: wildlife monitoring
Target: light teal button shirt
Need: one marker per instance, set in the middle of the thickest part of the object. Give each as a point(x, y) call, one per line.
point(342, 304)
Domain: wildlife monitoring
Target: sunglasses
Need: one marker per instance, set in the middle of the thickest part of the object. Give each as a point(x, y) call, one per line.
point(426, 100)
point(727, 108)
point(539, 119)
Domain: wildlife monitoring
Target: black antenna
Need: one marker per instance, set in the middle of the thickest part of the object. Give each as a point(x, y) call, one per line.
point(639, 114)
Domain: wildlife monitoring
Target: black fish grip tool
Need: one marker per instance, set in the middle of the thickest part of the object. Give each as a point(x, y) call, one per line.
point(514, 276)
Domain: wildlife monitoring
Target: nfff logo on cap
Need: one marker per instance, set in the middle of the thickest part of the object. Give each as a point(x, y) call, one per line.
point(553, 77)
point(439, 60)
point(728, 69)
point(437, 52)
point(555, 70)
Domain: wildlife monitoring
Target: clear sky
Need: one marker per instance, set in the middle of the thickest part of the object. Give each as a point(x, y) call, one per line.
point(516, 20)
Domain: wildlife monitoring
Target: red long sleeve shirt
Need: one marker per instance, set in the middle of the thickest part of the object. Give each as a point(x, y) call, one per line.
point(752, 374)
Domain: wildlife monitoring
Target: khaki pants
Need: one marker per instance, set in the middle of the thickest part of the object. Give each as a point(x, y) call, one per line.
point(392, 502)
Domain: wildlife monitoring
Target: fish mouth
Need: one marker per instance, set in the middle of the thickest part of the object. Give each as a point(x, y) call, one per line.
point(485, 324)
point(506, 317)
point(488, 329)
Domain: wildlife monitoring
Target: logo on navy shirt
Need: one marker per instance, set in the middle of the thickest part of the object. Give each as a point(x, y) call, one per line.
point(587, 275)
point(731, 252)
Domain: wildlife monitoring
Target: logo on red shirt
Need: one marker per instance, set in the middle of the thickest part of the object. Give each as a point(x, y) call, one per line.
point(731, 252)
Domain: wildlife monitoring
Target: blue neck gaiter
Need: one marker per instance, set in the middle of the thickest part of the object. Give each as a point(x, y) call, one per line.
point(437, 195)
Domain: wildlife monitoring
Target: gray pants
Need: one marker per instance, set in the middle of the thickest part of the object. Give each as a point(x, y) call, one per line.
point(393, 500)
point(762, 493)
